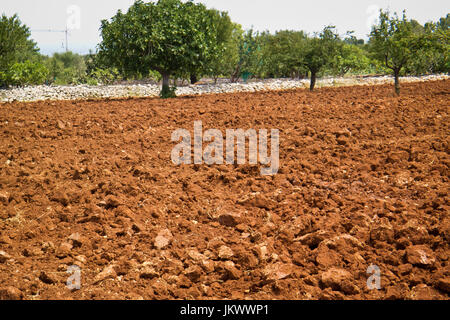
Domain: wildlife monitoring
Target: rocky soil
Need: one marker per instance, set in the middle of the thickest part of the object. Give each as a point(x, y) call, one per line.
point(363, 181)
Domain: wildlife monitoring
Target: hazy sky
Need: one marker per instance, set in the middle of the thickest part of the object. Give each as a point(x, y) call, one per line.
point(84, 16)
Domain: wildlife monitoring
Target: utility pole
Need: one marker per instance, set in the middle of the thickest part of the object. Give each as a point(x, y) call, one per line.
point(66, 32)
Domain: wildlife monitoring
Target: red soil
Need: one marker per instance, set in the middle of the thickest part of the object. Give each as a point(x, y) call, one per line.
point(363, 179)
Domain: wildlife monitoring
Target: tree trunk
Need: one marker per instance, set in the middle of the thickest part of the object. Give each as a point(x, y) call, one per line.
point(236, 74)
point(166, 83)
point(397, 82)
point(194, 79)
point(313, 80)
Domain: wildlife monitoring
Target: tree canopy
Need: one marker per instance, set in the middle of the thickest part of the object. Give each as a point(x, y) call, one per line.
point(182, 40)
point(283, 53)
point(321, 51)
point(398, 43)
point(168, 36)
point(16, 49)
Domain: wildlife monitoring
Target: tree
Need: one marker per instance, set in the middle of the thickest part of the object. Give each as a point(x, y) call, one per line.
point(66, 68)
point(434, 58)
point(226, 47)
point(351, 39)
point(395, 41)
point(442, 41)
point(231, 56)
point(28, 72)
point(16, 48)
point(229, 35)
point(320, 52)
point(432, 54)
point(283, 54)
point(444, 23)
point(350, 58)
point(250, 55)
point(168, 36)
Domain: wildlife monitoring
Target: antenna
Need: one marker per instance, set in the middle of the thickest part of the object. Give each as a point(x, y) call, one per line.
point(66, 32)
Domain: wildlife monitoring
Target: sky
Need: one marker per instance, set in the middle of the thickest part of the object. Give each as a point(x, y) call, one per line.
point(82, 17)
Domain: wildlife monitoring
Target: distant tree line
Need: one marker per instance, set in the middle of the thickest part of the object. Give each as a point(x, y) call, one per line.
point(171, 39)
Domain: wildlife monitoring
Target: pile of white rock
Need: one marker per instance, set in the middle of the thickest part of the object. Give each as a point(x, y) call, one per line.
point(83, 92)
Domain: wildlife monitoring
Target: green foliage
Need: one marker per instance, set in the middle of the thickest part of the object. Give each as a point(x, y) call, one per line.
point(168, 36)
point(28, 72)
point(351, 58)
point(69, 68)
point(168, 92)
point(320, 52)
point(250, 54)
point(98, 73)
point(229, 35)
point(394, 42)
point(92, 62)
point(444, 23)
point(183, 40)
point(66, 68)
point(103, 76)
point(406, 46)
point(18, 53)
point(351, 39)
point(432, 55)
point(282, 54)
point(15, 45)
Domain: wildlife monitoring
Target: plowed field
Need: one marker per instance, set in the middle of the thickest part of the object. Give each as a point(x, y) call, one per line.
point(363, 181)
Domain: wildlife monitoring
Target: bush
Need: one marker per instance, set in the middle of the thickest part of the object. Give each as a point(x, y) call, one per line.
point(103, 76)
point(16, 52)
point(23, 73)
point(66, 68)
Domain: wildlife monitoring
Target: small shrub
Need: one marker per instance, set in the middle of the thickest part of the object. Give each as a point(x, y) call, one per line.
point(104, 76)
point(168, 92)
point(25, 73)
point(92, 82)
